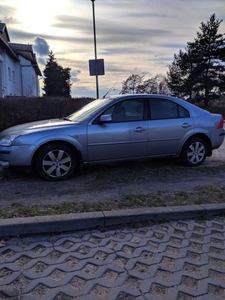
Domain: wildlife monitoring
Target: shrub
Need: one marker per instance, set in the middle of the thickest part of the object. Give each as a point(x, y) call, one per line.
point(18, 110)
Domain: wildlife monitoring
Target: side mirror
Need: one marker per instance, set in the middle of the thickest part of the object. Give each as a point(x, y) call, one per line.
point(105, 119)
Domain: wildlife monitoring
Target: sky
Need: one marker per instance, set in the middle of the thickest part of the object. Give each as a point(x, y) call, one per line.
point(132, 36)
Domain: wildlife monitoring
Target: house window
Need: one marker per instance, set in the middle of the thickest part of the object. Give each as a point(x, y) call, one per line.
point(13, 75)
point(9, 73)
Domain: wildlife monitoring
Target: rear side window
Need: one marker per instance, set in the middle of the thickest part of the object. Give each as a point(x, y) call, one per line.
point(183, 113)
point(166, 109)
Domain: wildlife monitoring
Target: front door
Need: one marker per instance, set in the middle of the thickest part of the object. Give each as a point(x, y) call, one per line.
point(123, 138)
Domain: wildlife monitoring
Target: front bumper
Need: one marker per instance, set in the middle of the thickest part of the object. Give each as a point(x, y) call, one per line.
point(15, 156)
point(4, 164)
point(4, 157)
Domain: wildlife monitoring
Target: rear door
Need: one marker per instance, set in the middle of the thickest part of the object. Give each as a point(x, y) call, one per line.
point(167, 127)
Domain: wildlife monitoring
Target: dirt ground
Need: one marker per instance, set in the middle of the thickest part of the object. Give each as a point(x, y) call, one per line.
point(112, 182)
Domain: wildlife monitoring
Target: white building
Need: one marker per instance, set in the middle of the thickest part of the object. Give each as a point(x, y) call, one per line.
point(19, 70)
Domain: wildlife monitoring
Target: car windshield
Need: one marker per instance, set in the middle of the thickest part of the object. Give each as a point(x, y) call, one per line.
point(85, 112)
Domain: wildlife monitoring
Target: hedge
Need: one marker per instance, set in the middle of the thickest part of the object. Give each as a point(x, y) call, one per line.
point(18, 110)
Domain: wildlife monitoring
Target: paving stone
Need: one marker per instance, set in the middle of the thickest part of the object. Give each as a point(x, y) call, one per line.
point(182, 260)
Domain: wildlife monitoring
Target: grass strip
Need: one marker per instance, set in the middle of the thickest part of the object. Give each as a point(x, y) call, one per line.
point(201, 195)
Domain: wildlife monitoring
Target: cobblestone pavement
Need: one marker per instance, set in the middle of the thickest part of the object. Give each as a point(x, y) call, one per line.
point(182, 260)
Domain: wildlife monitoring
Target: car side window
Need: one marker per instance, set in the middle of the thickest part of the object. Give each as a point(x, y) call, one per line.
point(183, 113)
point(127, 110)
point(166, 109)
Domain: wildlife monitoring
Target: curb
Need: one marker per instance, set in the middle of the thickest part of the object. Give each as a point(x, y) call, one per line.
point(90, 220)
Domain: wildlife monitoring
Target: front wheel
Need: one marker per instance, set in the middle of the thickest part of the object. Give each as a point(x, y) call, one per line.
point(194, 152)
point(55, 162)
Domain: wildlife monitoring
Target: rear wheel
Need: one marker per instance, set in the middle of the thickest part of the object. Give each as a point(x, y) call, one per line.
point(194, 152)
point(55, 162)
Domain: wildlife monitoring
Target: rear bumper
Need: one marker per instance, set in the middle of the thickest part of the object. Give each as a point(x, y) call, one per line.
point(217, 138)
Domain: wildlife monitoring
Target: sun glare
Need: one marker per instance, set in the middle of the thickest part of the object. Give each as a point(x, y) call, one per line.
point(39, 17)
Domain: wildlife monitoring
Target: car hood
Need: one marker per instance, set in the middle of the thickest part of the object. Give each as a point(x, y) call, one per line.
point(38, 125)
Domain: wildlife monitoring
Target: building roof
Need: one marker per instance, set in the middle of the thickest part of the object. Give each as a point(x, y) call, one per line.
point(4, 32)
point(14, 49)
point(26, 51)
point(8, 50)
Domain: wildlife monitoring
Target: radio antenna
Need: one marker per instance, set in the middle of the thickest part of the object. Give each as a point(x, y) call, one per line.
point(109, 90)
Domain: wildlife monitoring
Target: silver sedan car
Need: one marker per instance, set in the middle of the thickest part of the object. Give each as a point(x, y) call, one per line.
point(113, 129)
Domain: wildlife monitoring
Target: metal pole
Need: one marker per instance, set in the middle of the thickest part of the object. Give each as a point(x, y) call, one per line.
point(95, 47)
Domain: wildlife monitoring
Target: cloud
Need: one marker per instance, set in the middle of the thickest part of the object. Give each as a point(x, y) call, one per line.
point(41, 47)
point(149, 15)
point(8, 12)
point(10, 20)
point(120, 32)
point(74, 74)
point(19, 36)
point(173, 45)
point(41, 60)
point(69, 21)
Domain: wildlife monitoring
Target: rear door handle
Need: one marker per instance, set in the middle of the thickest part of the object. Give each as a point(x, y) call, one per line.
point(186, 125)
point(139, 129)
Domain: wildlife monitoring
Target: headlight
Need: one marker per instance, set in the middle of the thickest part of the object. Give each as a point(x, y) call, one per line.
point(7, 140)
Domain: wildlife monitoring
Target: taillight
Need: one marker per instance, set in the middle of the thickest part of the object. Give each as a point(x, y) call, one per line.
point(220, 125)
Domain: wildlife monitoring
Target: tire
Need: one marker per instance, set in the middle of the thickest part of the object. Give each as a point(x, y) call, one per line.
point(194, 152)
point(55, 162)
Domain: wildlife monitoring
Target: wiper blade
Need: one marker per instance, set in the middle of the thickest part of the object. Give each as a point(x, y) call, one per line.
point(66, 119)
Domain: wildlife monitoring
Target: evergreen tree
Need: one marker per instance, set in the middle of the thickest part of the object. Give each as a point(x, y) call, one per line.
point(176, 75)
point(182, 75)
point(198, 73)
point(56, 79)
